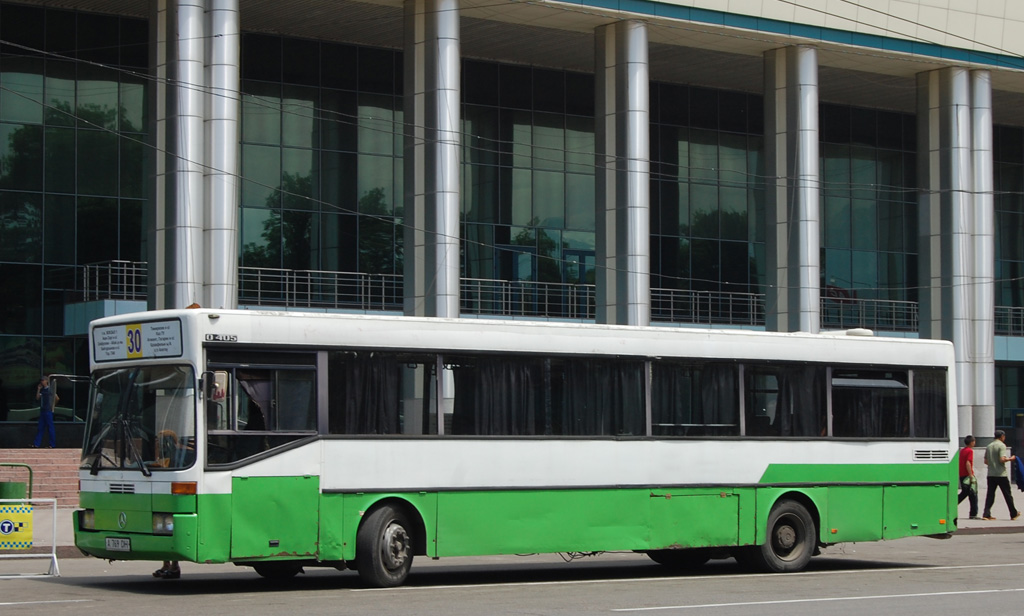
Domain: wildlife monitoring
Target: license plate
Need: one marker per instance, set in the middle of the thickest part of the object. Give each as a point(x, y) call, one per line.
point(119, 544)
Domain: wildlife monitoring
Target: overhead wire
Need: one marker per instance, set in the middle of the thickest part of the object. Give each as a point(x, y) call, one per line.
point(888, 15)
point(286, 107)
point(496, 149)
point(284, 192)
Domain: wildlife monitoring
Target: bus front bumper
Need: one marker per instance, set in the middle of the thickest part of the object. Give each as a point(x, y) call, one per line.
point(181, 545)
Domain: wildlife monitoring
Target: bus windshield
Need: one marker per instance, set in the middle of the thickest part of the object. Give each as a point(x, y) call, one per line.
point(141, 418)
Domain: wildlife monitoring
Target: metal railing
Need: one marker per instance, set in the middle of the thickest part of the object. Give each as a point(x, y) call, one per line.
point(875, 314)
point(707, 307)
point(115, 280)
point(1009, 321)
point(351, 290)
point(319, 289)
point(527, 298)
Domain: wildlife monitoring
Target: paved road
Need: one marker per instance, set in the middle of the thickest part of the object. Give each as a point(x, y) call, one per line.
point(981, 573)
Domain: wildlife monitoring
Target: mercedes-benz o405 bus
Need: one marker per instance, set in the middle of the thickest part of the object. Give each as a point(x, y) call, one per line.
point(283, 440)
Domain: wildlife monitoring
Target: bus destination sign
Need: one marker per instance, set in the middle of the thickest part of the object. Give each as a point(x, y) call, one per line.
point(137, 341)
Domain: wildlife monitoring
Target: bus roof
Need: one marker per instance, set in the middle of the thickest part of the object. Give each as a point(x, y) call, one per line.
point(326, 330)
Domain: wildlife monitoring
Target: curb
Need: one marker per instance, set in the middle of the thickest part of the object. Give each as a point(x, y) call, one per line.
point(993, 530)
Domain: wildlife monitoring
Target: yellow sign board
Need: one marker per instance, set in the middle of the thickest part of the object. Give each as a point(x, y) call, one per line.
point(15, 527)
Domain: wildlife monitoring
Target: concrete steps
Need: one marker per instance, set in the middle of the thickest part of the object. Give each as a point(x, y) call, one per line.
point(54, 472)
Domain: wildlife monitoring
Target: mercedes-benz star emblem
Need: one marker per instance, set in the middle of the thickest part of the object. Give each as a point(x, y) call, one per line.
point(122, 519)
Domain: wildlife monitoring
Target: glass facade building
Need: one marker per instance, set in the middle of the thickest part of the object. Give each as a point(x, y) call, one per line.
point(321, 156)
point(73, 129)
point(322, 190)
point(869, 209)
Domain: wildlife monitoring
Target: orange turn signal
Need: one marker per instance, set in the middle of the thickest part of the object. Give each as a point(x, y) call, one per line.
point(183, 487)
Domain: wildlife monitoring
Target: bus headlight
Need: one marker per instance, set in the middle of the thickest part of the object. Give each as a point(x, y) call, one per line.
point(163, 523)
point(88, 519)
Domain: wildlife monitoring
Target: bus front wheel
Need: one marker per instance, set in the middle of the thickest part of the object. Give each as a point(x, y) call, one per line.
point(791, 540)
point(384, 548)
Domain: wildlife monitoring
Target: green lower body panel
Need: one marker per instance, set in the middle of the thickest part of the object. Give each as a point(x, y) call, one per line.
point(868, 502)
point(141, 546)
point(915, 510)
point(288, 518)
point(474, 523)
point(854, 514)
point(122, 526)
point(274, 517)
point(691, 519)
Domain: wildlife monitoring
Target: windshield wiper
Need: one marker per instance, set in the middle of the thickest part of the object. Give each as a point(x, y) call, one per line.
point(125, 424)
point(95, 468)
point(97, 449)
point(125, 432)
point(136, 456)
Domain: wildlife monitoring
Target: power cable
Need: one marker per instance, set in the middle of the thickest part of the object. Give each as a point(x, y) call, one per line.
point(875, 186)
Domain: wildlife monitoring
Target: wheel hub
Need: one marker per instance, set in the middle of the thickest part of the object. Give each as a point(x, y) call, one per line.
point(785, 537)
point(396, 546)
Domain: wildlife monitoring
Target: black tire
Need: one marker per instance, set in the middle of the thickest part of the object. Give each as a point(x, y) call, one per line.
point(792, 538)
point(692, 558)
point(384, 548)
point(277, 570)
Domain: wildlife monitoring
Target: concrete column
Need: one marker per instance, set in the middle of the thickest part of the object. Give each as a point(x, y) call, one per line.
point(983, 292)
point(223, 171)
point(945, 246)
point(177, 271)
point(792, 190)
point(160, 32)
point(432, 166)
point(622, 127)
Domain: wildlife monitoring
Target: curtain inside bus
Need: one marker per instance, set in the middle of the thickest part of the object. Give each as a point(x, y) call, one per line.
point(870, 404)
point(365, 393)
point(601, 397)
point(689, 399)
point(929, 403)
point(785, 400)
point(498, 397)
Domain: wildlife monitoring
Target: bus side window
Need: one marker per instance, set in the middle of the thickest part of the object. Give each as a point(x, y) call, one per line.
point(930, 403)
point(295, 400)
point(785, 400)
point(498, 396)
point(381, 393)
point(694, 399)
point(762, 402)
point(870, 404)
point(597, 397)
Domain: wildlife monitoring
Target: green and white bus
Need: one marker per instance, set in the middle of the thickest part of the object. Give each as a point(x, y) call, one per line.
point(283, 440)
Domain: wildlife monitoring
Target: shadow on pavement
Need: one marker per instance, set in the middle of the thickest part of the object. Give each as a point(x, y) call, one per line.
point(196, 582)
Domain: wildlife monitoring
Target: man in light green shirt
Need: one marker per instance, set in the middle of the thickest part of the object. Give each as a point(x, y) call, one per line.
point(996, 457)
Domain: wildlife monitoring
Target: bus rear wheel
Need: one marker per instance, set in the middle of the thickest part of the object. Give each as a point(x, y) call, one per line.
point(791, 540)
point(384, 548)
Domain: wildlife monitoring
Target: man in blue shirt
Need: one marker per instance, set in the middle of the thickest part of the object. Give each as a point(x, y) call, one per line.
point(47, 401)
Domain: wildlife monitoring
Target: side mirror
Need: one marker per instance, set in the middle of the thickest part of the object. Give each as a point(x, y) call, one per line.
point(205, 380)
point(214, 385)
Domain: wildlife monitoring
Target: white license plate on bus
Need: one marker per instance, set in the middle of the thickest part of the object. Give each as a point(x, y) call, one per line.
point(119, 544)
